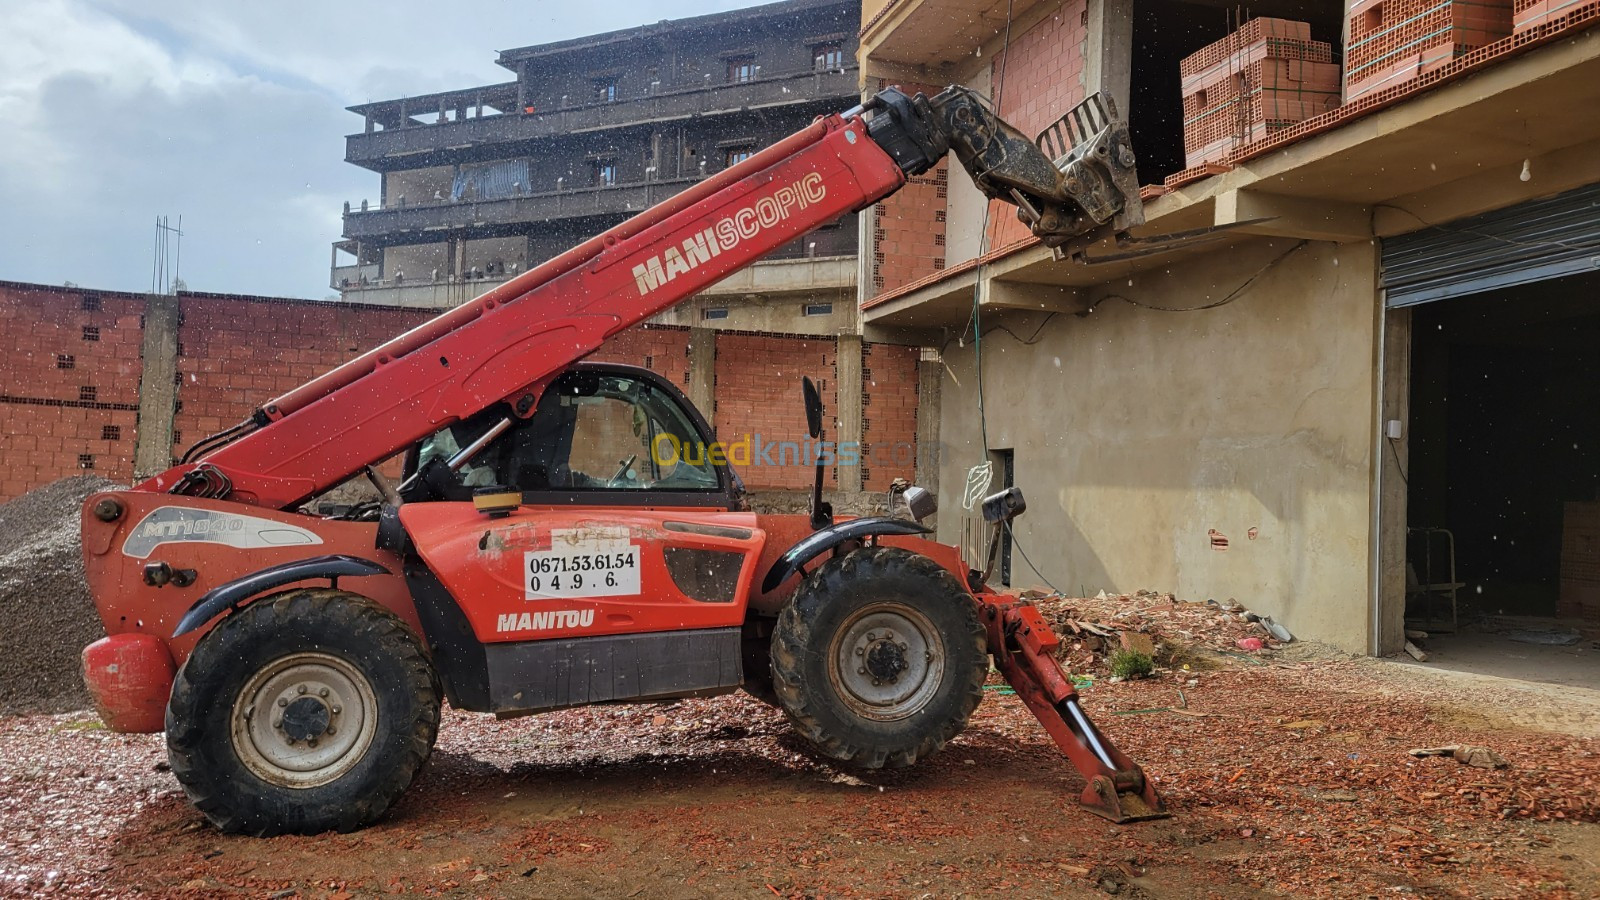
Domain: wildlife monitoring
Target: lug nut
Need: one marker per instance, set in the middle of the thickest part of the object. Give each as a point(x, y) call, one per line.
point(299, 689)
point(283, 701)
point(888, 635)
point(332, 730)
point(323, 692)
point(903, 645)
point(876, 682)
point(872, 635)
point(860, 651)
point(335, 710)
point(861, 670)
point(278, 724)
point(311, 743)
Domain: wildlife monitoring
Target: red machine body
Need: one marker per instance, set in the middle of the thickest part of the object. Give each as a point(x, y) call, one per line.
point(507, 593)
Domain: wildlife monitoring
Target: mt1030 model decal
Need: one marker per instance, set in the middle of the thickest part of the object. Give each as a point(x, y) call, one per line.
point(182, 524)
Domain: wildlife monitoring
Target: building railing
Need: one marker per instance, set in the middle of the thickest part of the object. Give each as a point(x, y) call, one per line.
point(675, 103)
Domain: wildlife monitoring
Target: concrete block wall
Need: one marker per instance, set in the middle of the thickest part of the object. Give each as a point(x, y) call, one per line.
point(231, 353)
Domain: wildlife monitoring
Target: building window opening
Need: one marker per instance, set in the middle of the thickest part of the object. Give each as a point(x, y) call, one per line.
point(605, 90)
point(818, 309)
point(742, 69)
point(738, 155)
point(715, 312)
point(828, 57)
point(605, 172)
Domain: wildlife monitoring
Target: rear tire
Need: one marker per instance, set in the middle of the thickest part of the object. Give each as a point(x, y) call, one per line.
point(879, 659)
point(307, 712)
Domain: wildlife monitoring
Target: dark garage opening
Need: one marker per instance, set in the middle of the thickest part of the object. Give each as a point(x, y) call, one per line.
point(1504, 454)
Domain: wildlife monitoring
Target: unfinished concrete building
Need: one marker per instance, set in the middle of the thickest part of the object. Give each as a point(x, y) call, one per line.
point(1391, 351)
point(480, 183)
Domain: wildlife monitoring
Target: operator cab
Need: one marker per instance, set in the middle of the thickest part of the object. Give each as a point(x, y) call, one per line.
point(601, 435)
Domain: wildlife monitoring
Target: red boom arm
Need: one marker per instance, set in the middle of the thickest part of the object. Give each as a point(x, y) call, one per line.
point(508, 343)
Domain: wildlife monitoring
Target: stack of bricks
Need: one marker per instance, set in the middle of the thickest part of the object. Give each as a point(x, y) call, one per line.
point(1394, 41)
point(1580, 562)
point(1257, 81)
point(1526, 14)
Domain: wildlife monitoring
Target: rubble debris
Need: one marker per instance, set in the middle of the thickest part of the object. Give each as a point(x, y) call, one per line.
point(1466, 754)
point(1552, 637)
point(1415, 652)
point(46, 614)
point(1249, 643)
point(1174, 633)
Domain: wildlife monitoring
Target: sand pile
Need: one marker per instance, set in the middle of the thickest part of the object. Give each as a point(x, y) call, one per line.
point(46, 616)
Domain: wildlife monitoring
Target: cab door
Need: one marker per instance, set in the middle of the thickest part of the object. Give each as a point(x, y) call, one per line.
point(620, 568)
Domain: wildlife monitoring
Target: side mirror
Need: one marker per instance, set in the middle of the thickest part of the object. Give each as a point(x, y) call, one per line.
point(813, 407)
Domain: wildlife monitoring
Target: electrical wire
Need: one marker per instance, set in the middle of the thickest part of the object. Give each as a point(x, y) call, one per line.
point(1233, 295)
point(1397, 464)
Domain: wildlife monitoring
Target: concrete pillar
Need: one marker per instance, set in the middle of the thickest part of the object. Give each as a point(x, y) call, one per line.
point(158, 390)
point(930, 373)
point(1393, 462)
point(703, 371)
point(1108, 62)
point(847, 375)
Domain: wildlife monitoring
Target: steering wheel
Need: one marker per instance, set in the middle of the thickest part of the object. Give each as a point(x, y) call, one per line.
point(623, 470)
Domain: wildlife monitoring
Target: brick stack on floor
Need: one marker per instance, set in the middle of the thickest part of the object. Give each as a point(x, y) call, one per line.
point(1580, 563)
point(1394, 41)
point(1253, 83)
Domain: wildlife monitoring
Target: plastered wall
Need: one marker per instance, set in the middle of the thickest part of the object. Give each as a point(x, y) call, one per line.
point(1221, 453)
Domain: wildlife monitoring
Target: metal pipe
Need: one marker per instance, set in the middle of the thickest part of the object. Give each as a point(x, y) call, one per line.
point(1089, 735)
point(471, 450)
point(465, 453)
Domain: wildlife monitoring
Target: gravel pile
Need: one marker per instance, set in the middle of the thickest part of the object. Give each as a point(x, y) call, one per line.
point(46, 616)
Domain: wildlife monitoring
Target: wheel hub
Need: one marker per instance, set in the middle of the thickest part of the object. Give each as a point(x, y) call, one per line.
point(304, 719)
point(887, 661)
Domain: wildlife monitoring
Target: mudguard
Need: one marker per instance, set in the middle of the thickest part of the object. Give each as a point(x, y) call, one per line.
point(822, 541)
point(223, 596)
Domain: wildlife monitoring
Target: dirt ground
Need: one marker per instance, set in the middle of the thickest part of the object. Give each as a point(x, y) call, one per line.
point(1284, 778)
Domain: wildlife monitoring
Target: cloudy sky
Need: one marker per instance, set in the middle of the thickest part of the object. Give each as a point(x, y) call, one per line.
point(113, 112)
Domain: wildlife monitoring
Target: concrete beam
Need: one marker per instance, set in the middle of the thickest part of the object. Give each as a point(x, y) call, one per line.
point(847, 382)
point(158, 390)
point(930, 375)
point(1296, 217)
point(1550, 173)
point(702, 371)
point(1108, 57)
point(1032, 297)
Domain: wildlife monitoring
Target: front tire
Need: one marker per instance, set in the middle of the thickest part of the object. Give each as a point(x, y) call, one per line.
point(880, 659)
point(307, 712)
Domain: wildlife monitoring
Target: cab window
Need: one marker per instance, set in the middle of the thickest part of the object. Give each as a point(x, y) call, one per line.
point(591, 432)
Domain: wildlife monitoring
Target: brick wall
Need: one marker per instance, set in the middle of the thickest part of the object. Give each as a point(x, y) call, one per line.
point(889, 414)
point(758, 393)
point(908, 235)
point(1040, 78)
point(237, 352)
point(69, 384)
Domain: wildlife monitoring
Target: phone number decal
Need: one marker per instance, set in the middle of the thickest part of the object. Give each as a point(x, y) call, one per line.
point(572, 573)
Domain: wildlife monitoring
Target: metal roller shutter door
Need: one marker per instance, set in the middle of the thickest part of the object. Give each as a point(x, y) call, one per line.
point(1533, 241)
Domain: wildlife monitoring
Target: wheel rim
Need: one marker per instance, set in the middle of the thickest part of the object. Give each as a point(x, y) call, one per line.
point(887, 661)
point(304, 720)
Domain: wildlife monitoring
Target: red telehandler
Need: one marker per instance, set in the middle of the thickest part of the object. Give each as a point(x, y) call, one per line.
point(565, 532)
